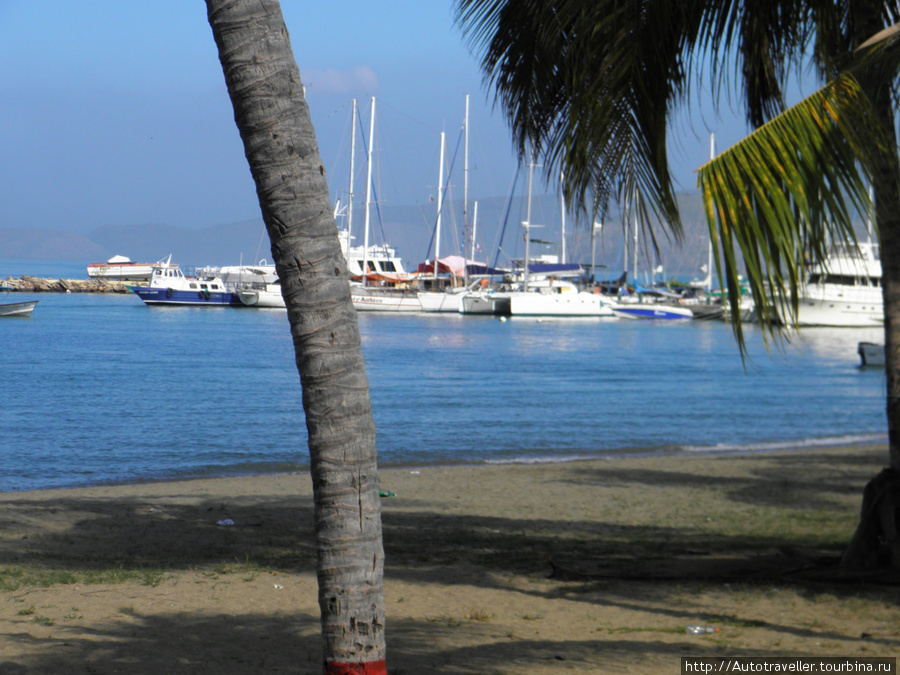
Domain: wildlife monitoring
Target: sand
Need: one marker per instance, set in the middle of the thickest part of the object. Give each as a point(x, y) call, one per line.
point(588, 567)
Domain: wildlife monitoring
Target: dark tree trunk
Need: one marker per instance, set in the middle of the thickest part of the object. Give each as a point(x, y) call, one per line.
point(877, 540)
point(279, 142)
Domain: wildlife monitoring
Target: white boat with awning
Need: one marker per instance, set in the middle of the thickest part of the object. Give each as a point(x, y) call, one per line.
point(121, 268)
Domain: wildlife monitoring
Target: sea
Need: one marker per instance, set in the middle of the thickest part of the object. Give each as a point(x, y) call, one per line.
point(101, 389)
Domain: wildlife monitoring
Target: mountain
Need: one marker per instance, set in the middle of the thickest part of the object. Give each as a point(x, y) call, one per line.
point(47, 245)
point(408, 228)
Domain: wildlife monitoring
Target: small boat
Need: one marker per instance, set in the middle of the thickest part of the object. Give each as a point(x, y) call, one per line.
point(120, 268)
point(17, 308)
point(261, 295)
point(169, 286)
point(652, 310)
point(871, 354)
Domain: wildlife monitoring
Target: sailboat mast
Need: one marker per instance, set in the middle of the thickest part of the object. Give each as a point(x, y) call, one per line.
point(352, 171)
point(562, 210)
point(440, 204)
point(466, 193)
point(635, 218)
point(527, 224)
point(365, 269)
point(712, 154)
point(474, 229)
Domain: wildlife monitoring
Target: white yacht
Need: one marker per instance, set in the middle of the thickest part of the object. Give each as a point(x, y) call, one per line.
point(844, 290)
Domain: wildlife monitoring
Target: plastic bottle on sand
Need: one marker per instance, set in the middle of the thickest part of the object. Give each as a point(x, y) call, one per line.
point(700, 630)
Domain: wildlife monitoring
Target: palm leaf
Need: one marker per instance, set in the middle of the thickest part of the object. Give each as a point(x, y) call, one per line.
point(780, 195)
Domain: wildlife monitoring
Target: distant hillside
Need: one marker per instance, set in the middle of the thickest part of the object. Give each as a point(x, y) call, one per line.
point(227, 244)
point(47, 245)
point(407, 228)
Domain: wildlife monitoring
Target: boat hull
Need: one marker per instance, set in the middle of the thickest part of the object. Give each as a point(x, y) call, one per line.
point(871, 354)
point(169, 296)
point(371, 300)
point(261, 299)
point(440, 302)
point(135, 272)
point(842, 312)
point(496, 304)
point(653, 312)
point(558, 304)
point(17, 308)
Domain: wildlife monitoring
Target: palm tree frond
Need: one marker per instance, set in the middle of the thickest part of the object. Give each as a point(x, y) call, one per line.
point(779, 196)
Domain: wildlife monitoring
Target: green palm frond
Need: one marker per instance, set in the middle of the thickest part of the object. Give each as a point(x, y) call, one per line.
point(777, 198)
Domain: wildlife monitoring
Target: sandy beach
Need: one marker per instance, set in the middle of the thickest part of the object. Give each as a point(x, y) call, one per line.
point(588, 567)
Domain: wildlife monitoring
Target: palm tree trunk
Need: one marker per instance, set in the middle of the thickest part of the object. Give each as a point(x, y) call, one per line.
point(876, 541)
point(279, 142)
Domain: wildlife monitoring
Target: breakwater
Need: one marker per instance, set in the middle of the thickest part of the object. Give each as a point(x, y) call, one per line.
point(28, 284)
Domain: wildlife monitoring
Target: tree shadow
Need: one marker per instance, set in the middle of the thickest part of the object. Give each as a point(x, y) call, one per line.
point(605, 563)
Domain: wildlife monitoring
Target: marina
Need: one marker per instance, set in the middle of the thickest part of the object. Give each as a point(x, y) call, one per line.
point(100, 388)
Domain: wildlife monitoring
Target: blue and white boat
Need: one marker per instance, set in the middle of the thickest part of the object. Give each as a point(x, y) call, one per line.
point(652, 310)
point(169, 286)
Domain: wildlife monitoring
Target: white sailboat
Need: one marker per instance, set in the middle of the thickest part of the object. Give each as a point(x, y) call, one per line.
point(542, 291)
point(379, 289)
point(449, 298)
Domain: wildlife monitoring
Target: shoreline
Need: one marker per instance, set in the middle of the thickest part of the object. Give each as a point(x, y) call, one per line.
point(589, 566)
point(856, 442)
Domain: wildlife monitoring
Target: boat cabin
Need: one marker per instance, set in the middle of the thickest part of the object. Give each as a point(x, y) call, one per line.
point(168, 277)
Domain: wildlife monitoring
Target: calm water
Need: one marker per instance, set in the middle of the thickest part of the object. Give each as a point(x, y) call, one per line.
point(103, 389)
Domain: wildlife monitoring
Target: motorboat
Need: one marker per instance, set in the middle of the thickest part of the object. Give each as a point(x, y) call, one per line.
point(652, 310)
point(844, 289)
point(261, 295)
point(17, 308)
point(169, 286)
point(121, 268)
point(871, 354)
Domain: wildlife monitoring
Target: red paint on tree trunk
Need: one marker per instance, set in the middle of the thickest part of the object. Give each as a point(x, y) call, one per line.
point(370, 668)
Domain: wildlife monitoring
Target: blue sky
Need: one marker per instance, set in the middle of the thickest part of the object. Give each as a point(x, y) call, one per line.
point(116, 112)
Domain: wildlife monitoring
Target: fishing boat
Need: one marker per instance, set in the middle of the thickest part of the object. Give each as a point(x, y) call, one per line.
point(17, 308)
point(169, 286)
point(844, 289)
point(121, 268)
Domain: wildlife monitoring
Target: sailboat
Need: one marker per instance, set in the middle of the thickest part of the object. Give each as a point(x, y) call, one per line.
point(644, 306)
point(544, 290)
point(383, 285)
point(447, 297)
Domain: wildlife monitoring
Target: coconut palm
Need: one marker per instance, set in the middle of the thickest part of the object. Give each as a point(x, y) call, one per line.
point(593, 85)
point(280, 144)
